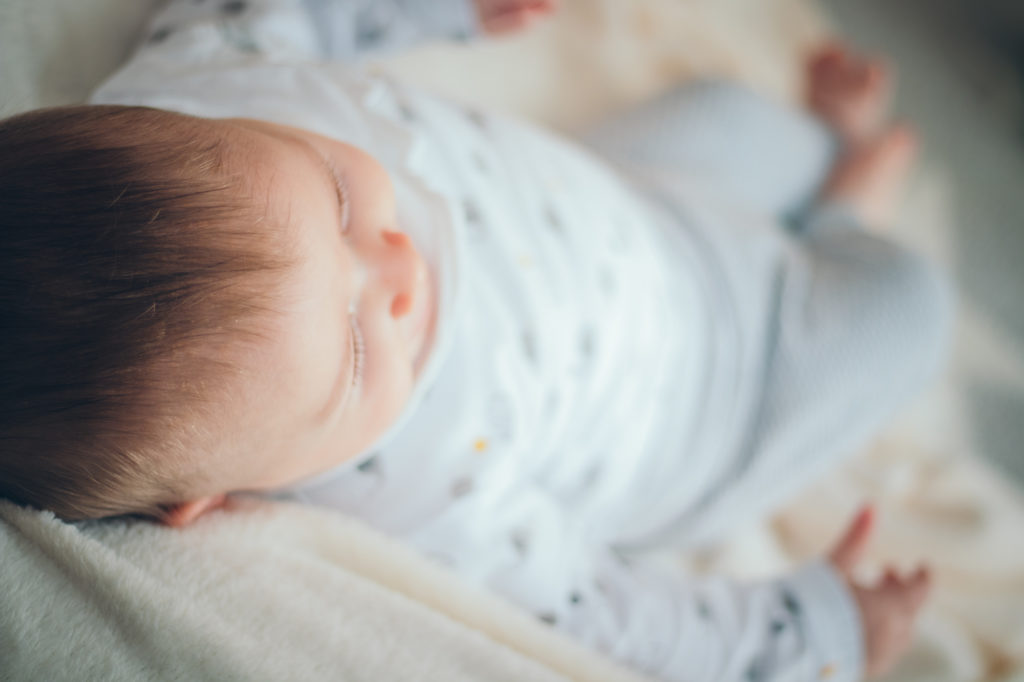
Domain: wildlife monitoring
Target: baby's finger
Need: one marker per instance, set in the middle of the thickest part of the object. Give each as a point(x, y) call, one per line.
point(856, 73)
point(529, 6)
point(517, 18)
point(827, 55)
point(850, 548)
point(890, 580)
point(918, 586)
point(508, 21)
point(910, 591)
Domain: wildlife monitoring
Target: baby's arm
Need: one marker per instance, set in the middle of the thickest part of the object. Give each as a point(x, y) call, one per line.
point(800, 627)
point(301, 30)
point(191, 39)
point(816, 623)
point(803, 626)
point(887, 609)
point(351, 30)
point(343, 30)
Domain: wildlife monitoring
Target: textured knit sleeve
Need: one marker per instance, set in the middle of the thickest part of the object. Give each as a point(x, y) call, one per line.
point(218, 31)
point(354, 29)
point(802, 626)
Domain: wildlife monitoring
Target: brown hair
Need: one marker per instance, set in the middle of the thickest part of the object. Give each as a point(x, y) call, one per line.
point(129, 259)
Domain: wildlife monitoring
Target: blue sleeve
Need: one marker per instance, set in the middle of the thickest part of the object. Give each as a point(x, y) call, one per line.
point(353, 29)
point(801, 626)
point(225, 31)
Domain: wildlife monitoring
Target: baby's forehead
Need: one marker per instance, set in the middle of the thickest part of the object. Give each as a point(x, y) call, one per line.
point(260, 164)
point(246, 172)
point(239, 152)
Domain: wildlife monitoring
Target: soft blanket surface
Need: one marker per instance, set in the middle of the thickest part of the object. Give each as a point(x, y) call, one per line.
point(264, 591)
point(279, 592)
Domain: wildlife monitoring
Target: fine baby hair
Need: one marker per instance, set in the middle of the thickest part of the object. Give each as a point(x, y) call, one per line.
point(129, 269)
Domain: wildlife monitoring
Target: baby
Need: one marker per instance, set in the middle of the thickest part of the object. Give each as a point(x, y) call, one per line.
point(248, 265)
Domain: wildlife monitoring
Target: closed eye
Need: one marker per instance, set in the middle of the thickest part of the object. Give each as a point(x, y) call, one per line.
point(358, 353)
point(342, 189)
point(341, 184)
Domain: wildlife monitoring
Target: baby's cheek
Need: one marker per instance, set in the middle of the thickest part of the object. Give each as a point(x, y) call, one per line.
point(387, 384)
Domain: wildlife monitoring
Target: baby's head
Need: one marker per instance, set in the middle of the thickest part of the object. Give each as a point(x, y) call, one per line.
point(193, 307)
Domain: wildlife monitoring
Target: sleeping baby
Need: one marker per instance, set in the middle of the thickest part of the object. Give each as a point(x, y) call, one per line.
point(251, 266)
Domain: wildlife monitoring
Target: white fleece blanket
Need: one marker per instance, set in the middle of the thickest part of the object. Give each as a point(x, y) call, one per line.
point(265, 591)
point(273, 591)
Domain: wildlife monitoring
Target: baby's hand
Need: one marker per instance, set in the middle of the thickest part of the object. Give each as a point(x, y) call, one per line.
point(505, 16)
point(887, 609)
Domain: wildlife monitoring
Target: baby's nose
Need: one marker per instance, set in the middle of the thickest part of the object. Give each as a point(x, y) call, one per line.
point(400, 271)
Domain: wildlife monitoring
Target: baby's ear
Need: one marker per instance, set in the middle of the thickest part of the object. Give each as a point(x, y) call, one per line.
point(184, 513)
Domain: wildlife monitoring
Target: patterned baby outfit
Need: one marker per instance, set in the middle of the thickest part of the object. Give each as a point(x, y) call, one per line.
point(630, 353)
